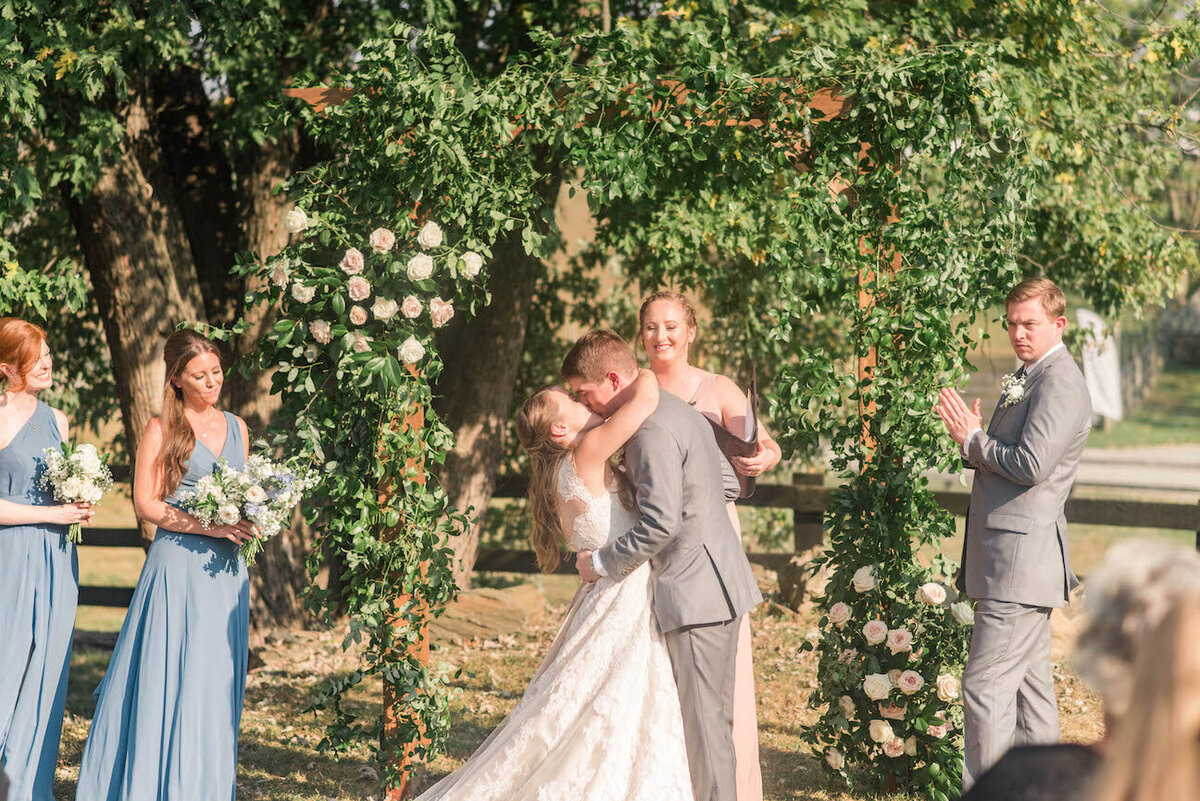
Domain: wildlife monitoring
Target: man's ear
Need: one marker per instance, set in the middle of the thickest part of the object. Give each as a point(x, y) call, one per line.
point(1060, 323)
point(614, 379)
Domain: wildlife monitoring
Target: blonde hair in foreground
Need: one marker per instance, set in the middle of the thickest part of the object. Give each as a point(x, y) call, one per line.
point(1155, 754)
point(534, 419)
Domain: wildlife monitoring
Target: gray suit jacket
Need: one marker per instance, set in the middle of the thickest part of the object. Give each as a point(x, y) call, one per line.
point(699, 572)
point(1025, 464)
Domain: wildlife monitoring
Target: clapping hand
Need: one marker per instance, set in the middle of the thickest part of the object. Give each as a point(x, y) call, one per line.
point(583, 563)
point(959, 419)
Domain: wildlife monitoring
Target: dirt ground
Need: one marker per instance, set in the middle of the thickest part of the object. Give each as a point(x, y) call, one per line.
point(501, 637)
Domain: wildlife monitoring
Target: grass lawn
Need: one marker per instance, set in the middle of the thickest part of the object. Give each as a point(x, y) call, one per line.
point(278, 758)
point(1170, 415)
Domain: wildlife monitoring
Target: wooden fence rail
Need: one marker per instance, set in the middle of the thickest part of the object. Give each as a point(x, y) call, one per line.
point(805, 497)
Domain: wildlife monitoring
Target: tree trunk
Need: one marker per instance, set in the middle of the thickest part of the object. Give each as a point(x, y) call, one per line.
point(280, 574)
point(141, 268)
point(477, 394)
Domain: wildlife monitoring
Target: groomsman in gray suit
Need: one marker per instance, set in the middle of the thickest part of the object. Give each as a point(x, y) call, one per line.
point(1016, 562)
point(701, 580)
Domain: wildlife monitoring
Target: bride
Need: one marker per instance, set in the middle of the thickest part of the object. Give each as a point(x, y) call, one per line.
point(600, 720)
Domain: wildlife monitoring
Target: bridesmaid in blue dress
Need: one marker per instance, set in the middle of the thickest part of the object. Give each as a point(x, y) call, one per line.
point(168, 709)
point(39, 574)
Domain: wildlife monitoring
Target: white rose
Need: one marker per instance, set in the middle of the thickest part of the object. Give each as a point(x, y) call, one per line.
point(411, 308)
point(893, 748)
point(430, 235)
point(358, 288)
point(88, 458)
point(847, 705)
point(910, 682)
point(947, 688)
point(875, 631)
point(1014, 393)
point(321, 331)
point(279, 274)
point(877, 686)
point(229, 514)
point(899, 641)
point(839, 614)
point(381, 240)
point(864, 579)
point(352, 262)
point(311, 352)
point(932, 593)
point(360, 343)
point(411, 351)
point(440, 312)
point(303, 293)
point(835, 759)
point(910, 746)
point(71, 488)
point(881, 731)
point(893, 676)
point(256, 494)
point(92, 494)
point(384, 309)
point(472, 264)
point(962, 613)
point(295, 221)
point(892, 711)
point(358, 315)
point(420, 267)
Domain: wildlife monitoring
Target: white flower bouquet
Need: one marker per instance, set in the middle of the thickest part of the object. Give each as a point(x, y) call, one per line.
point(76, 474)
point(265, 493)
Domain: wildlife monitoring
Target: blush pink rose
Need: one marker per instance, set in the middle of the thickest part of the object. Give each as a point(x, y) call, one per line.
point(411, 307)
point(899, 640)
point(352, 262)
point(440, 312)
point(893, 748)
point(361, 343)
point(381, 240)
point(910, 681)
point(358, 315)
point(358, 288)
point(932, 593)
point(947, 688)
point(875, 631)
point(938, 731)
point(881, 731)
point(839, 614)
point(892, 711)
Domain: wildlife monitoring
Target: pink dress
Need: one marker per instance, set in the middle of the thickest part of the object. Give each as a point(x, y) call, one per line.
point(745, 715)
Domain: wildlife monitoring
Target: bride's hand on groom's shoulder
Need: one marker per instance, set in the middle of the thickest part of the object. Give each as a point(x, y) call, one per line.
point(583, 563)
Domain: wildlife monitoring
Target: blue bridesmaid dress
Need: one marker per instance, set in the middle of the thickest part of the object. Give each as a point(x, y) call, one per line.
point(39, 587)
point(169, 706)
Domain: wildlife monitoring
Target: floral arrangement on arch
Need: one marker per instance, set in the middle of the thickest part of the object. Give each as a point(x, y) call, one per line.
point(891, 693)
point(380, 293)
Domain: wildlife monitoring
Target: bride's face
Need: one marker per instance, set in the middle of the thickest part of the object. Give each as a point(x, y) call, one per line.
point(665, 332)
point(571, 417)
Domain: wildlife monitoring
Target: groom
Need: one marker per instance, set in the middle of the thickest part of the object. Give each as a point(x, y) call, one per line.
point(701, 579)
point(1016, 562)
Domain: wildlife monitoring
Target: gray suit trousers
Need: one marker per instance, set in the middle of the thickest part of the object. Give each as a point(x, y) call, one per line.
point(1008, 684)
point(703, 659)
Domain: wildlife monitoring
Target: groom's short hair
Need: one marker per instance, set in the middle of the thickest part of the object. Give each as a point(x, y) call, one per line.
point(596, 354)
point(1054, 303)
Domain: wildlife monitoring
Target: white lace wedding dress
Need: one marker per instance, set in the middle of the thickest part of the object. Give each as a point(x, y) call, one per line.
point(600, 720)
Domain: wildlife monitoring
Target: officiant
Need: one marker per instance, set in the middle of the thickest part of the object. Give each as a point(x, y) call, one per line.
point(667, 328)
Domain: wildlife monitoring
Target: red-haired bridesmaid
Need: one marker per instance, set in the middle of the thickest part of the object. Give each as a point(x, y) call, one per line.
point(39, 573)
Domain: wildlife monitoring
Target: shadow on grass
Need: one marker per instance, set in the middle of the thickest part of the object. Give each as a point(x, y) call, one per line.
point(277, 771)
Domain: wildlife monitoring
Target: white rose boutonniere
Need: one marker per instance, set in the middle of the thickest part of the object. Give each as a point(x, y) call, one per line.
point(1012, 389)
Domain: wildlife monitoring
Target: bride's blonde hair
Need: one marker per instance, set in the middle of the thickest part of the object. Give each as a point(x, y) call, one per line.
point(534, 419)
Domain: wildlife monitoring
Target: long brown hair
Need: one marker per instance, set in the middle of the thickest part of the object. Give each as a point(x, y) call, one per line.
point(178, 437)
point(20, 346)
point(1155, 753)
point(534, 419)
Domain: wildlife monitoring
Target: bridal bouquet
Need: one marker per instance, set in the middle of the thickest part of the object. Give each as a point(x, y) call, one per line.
point(265, 493)
point(76, 474)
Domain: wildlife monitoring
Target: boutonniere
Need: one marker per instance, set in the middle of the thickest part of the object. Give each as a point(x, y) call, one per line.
point(1012, 389)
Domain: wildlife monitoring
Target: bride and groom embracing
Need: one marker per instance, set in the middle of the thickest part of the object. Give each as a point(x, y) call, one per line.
point(635, 698)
